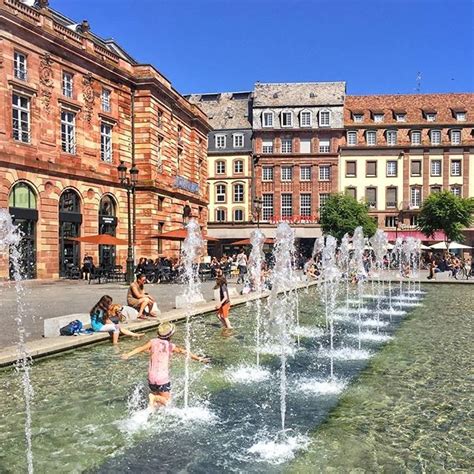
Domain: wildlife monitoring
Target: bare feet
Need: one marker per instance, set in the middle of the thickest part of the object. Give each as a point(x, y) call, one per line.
point(138, 335)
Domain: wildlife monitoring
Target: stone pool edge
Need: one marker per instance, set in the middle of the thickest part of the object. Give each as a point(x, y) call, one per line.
point(51, 346)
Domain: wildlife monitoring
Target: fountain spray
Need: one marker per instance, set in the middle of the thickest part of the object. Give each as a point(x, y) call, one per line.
point(358, 243)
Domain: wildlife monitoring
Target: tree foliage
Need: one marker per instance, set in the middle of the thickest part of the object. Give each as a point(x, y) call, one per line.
point(342, 214)
point(446, 212)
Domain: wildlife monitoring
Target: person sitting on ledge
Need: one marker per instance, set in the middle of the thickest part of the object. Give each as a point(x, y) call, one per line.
point(138, 299)
point(100, 321)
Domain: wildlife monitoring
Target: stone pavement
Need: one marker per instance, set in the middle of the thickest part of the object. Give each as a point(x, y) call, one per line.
point(49, 299)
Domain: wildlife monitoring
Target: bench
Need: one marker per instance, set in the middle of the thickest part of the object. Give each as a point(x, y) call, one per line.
point(51, 326)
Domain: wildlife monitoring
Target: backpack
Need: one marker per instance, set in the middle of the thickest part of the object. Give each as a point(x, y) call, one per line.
point(71, 329)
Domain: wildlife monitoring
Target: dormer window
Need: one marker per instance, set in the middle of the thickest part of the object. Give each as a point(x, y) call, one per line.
point(324, 118)
point(400, 117)
point(415, 137)
point(287, 119)
point(455, 137)
point(431, 116)
point(306, 118)
point(267, 119)
point(378, 117)
point(391, 136)
point(358, 117)
point(220, 141)
point(460, 116)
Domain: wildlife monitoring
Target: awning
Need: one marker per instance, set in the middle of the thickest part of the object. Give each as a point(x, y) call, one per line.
point(179, 234)
point(268, 241)
point(416, 234)
point(100, 239)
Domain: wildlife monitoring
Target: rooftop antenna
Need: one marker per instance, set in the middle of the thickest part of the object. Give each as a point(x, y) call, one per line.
point(418, 83)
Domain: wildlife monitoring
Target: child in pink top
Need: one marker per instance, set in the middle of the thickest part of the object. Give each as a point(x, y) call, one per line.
point(160, 349)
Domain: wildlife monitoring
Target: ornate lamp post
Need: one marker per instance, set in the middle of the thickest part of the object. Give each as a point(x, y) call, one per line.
point(257, 205)
point(130, 183)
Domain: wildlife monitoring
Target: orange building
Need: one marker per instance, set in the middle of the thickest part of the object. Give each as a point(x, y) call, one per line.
point(72, 107)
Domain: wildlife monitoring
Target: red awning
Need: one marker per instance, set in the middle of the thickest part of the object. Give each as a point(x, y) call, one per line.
point(416, 234)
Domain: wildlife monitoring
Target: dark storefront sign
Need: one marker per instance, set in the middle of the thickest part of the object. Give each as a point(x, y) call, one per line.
point(183, 183)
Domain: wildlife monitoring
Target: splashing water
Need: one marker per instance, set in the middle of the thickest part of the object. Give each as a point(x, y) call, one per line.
point(358, 243)
point(10, 240)
point(280, 449)
point(323, 387)
point(247, 374)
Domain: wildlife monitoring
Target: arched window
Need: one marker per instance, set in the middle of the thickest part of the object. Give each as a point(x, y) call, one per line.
point(220, 167)
point(238, 215)
point(22, 196)
point(325, 118)
point(107, 206)
point(238, 192)
point(306, 118)
point(70, 201)
point(220, 215)
point(238, 166)
point(221, 191)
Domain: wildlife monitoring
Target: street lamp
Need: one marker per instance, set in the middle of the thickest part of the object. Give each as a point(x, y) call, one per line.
point(130, 182)
point(257, 205)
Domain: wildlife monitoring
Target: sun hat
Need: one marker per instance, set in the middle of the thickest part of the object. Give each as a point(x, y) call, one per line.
point(165, 330)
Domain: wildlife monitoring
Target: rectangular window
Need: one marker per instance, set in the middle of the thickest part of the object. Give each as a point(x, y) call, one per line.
point(351, 168)
point(305, 205)
point(238, 192)
point(371, 137)
point(378, 117)
point(305, 145)
point(436, 168)
point(324, 118)
point(415, 197)
point(21, 118)
point(371, 169)
point(267, 119)
point(19, 66)
point(456, 190)
point(220, 167)
point(238, 166)
point(106, 142)
point(286, 173)
point(435, 137)
point(371, 197)
point(238, 140)
point(267, 173)
point(324, 145)
point(392, 169)
point(401, 117)
point(238, 215)
point(220, 215)
point(220, 141)
point(415, 168)
point(455, 167)
point(414, 221)
point(267, 146)
point(455, 137)
point(267, 207)
point(391, 198)
point(68, 132)
point(305, 119)
point(67, 84)
point(352, 138)
point(286, 145)
point(324, 173)
point(460, 116)
point(435, 189)
point(352, 192)
point(358, 117)
point(305, 173)
point(105, 99)
point(323, 197)
point(220, 193)
point(287, 119)
point(430, 117)
point(286, 205)
point(391, 137)
point(391, 221)
point(416, 137)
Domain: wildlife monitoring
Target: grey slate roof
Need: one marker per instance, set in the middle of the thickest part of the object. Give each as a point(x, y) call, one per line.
point(226, 110)
point(299, 94)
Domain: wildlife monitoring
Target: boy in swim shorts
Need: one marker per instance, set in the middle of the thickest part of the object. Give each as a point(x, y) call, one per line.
point(160, 349)
point(223, 308)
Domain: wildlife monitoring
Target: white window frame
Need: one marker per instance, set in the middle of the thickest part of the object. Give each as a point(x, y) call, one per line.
point(268, 119)
point(287, 145)
point(284, 119)
point(287, 173)
point(413, 134)
point(435, 164)
point(431, 117)
point(461, 116)
point(433, 134)
point(221, 193)
point(324, 118)
point(20, 66)
point(392, 169)
point(267, 207)
point(220, 141)
point(68, 84)
point(455, 136)
point(307, 143)
point(456, 168)
point(351, 138)
point(401, 117)
point(378, 118)
point(324, 145)
point(267, 173)
point(220, 167)
point(324, 173)
point(21, 118)
point(238, 140)
point(238, 192)
point(266, 147)
point(358, 118)
point(68, 132)
point(106, 153)
point(306, 118)
point(305, 204)
point(392, 137)
point(236, 219)
point(305, 173)
point(371, 137)
point(286, 205)
point(456, 189)
point(105, 100)
point(415, 197)
point(238, 166)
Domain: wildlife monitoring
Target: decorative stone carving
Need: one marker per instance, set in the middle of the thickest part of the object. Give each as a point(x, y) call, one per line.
point(88, 95)
point(46, 81)
point(42, 3)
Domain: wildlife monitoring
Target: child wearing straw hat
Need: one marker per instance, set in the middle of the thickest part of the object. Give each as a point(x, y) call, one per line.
point(160, 349)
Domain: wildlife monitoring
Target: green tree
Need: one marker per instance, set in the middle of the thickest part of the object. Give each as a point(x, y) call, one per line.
point(342, 214)
point(446, 212)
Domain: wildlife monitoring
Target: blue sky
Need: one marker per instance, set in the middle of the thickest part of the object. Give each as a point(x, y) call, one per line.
point(377, 46)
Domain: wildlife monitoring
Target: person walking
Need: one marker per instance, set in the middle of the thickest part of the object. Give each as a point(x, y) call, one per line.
point(161, 348)
point(242, 266)
point(223, 308)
